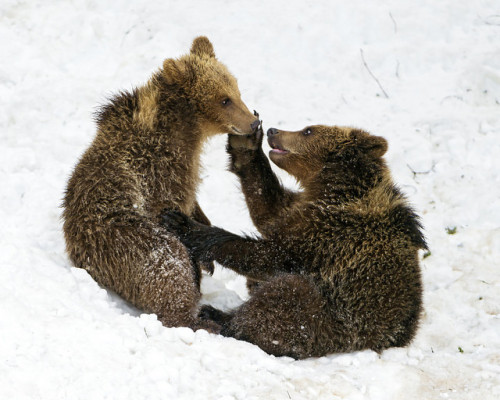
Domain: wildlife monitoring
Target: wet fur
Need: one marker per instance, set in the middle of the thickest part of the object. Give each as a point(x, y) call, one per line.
point(145, 159)
point(337, 262)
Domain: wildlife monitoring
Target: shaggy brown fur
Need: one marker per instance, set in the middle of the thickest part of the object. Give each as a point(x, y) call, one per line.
point(145, 159)
point(337, 262)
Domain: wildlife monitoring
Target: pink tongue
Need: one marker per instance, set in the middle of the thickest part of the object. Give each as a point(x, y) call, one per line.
point(279, 151)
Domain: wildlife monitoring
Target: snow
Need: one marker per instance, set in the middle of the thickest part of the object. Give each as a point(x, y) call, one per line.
point(298, 63)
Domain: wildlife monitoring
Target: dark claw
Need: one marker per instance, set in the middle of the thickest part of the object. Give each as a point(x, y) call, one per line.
point(258, 134)
point(209, 313)
point(192, 234)
point(206, 313)
point(175, 221)
point(175, 216)
point(208, 267)
point(257, 125)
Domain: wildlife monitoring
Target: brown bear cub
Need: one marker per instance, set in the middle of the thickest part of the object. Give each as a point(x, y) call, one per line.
point(143, 160)
point(337, 262)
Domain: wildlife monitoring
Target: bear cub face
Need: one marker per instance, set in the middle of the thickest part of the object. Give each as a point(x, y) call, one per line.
point(212, 88)
point(304, 153)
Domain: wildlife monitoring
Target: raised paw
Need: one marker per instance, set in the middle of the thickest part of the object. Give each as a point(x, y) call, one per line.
point(252, 141)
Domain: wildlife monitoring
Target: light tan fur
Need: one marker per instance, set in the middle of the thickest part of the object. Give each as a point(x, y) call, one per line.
point(145, 115)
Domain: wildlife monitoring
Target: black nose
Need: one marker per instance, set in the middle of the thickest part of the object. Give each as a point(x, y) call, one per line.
point(255, 124)
point(272, 131)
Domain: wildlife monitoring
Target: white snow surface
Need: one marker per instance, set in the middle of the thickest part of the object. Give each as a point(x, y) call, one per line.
point(298, 63)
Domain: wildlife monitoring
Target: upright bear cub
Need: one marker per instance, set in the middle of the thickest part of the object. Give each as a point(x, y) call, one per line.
point(144, 159)
point(338, 261)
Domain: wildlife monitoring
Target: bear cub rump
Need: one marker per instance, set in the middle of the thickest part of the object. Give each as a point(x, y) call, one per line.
point(337, 263)
point(145, 159)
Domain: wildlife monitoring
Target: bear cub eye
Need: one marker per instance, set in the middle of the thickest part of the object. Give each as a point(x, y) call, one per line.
point(226, 101)
point(307, 131)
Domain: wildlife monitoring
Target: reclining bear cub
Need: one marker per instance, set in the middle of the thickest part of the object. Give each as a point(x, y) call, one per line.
point(337, 263)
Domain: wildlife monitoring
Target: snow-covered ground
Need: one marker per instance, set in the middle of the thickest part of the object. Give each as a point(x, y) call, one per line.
point(438, 104)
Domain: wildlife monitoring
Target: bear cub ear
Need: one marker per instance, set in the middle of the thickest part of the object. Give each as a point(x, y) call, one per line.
point(174, 71)
point(202, 47)
point(376, 146)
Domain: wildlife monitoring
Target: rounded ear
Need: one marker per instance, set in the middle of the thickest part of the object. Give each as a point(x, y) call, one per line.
point(376, 146)
point(173, 71)
point(202, 47)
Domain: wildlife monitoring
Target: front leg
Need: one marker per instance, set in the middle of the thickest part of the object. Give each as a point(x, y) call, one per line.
point(265, 196)
point(258, 259)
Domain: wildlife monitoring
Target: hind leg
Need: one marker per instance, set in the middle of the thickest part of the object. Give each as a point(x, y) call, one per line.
point(145, 265)
point(287, 316)
point(169, 287)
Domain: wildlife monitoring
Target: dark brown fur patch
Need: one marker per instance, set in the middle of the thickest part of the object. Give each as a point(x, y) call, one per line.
point(337, 262)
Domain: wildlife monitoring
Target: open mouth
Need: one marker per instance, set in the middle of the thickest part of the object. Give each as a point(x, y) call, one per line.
point(276, 148)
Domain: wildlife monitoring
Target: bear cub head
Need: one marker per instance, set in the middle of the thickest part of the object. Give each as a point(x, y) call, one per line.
point(305, 153)
point(211, 89)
